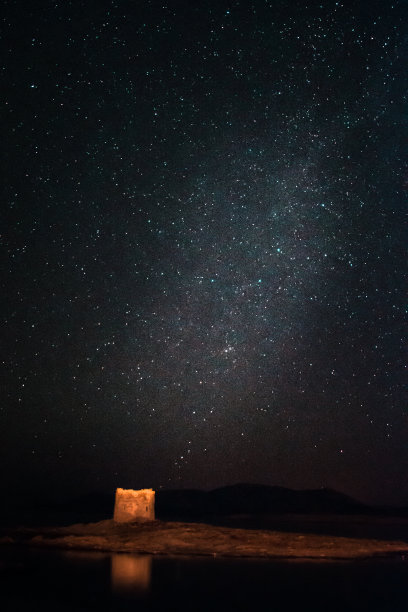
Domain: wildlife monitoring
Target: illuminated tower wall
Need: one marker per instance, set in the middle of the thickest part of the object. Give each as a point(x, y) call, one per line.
point(133, 505)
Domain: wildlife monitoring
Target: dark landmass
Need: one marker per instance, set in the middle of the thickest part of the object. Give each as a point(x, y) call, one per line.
point(254, 499)
point(238, 520)
point(175, 538)
point(208, 506)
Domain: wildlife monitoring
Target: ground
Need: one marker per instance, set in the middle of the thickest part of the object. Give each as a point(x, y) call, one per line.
point(178, 538)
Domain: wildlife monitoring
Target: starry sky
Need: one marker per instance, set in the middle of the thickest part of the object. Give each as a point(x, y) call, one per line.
point(204, 272)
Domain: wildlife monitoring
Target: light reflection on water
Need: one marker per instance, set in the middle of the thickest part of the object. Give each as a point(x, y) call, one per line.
point(130, 574)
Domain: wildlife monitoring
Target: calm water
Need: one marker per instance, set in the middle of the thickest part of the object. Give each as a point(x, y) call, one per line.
point(47, 580)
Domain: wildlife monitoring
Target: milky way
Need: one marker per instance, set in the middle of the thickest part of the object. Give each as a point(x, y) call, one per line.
point(203, 228)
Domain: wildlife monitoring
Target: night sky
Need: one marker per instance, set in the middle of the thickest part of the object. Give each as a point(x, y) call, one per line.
point(204, 271)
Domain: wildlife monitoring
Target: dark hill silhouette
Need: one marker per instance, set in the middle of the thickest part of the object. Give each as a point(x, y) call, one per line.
point(194, 504)
point(254, 499)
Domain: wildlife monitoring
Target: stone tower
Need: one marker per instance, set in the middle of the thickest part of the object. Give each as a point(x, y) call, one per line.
point(133, 505)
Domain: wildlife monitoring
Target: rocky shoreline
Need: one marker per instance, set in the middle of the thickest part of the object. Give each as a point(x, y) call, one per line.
point(178, 538)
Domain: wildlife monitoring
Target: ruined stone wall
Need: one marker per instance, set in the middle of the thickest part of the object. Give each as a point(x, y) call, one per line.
point(133, 505)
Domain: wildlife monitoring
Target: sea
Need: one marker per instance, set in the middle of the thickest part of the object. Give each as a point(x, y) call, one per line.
point(34, 579)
